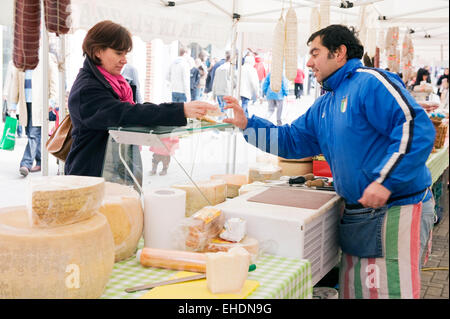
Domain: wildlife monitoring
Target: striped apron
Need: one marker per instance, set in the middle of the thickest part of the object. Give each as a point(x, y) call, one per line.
point(397, 274)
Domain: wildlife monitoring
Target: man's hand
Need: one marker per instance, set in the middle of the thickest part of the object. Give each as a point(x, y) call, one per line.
point(375, 195)
point(239, 120)
point(196, 109)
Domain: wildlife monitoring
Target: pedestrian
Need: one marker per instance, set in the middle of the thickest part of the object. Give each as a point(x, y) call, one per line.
point(200, 62)
point(298, 83)
point(130, 73)
point(194, 79)
point(26, 92)
point(11, 108)
point(222, 81)
point(212, 71)
point(262, 73)
point(179, 77)
point(376, 139)
point(100, 98)
point(162, 153)
point(439, 81)
point(249, 82)
point(275, 99)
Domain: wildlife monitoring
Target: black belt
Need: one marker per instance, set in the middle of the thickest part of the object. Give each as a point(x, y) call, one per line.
point(390, 200)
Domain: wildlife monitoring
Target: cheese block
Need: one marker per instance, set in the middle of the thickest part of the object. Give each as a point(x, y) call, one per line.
point(63, 200)
point(295, 168)
point(214, 190)
point(234, 230)
point(122, 208)
point(234, 182)
point(262, 172)
point(227, 272)
point(248, 243)
point(70, 261)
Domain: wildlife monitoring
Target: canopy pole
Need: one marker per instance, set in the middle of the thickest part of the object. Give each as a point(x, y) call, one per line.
point(45, 66)
point(62, 88)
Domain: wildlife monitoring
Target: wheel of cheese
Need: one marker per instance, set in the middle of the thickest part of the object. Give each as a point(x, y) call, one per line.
point(71, 261)
point(234, 182)
point(214, 190)
point(63, 200)
point(122, 208)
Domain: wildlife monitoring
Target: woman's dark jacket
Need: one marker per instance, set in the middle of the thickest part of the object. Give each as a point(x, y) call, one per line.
point(94, 106)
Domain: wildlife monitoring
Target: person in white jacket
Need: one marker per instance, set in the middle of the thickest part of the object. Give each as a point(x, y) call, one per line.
point(179, 78)
point(222, 82)
point(249, 82)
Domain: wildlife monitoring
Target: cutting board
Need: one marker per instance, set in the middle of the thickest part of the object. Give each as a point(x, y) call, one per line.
point(195, 289)
point(292, 197)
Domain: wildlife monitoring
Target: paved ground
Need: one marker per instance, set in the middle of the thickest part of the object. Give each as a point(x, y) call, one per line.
point(435, 280)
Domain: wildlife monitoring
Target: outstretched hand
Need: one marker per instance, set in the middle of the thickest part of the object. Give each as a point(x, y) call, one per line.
point(239, 120)
point(196, 109)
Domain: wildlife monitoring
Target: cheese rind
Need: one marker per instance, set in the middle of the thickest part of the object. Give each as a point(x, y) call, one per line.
point(227, 272)
point(123, 209)
point(214, 190)
point(63, 200)
point(71, 261)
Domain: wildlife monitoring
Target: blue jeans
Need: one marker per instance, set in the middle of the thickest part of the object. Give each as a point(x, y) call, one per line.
point(221, 102)
point(33, 149)
point(426, 224)
point(245, 105)
point(178, 97)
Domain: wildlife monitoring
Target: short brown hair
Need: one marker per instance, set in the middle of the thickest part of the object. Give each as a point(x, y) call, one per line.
point(106, 34)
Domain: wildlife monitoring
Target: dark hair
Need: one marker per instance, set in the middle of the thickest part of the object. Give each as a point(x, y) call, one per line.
point(419, 77)
point(336, 35)
point(103, 35)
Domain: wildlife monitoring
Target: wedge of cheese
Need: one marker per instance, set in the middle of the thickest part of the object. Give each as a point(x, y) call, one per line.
point(227, 272)
point(262, 172)
point(71, 261)
point(234, 182)
point(214, 190)
point(122, 208)
point(63, 200)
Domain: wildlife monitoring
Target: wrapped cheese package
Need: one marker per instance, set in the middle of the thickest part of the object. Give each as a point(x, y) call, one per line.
point(172, 259)
point(196, 232)
point(248, 243)
point(63, 200)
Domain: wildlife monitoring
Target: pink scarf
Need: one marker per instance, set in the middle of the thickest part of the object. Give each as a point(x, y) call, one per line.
point(119, 85)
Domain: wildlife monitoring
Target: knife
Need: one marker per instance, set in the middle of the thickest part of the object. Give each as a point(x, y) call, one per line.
point(174, 281)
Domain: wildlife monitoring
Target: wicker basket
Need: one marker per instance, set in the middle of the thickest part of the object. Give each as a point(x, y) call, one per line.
point(441, 133)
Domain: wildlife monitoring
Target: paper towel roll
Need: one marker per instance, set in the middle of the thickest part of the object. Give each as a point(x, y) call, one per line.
point(164, 208)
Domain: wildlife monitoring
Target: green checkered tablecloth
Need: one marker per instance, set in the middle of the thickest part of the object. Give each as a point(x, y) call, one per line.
point(278, 277)
point(438, 162)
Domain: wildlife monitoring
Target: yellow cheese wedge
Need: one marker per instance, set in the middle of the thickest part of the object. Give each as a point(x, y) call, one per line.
point(123, 208)
point(214, 190)
point(227, 272)
point(71, 261)
point(63, 200)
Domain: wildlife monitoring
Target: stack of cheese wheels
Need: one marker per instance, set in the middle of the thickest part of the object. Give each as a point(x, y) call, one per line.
point(123, 208)
point(63, 200)
point(70, 261)
point(295, 167)
point(234, 182)
point(214, 190)
point(263, 171)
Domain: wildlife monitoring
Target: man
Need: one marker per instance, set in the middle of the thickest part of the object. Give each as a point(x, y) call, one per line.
point(26, 92)
point(179, 77)
point(222, 81)
point(275, 99)
point(376, 139)
point(212, 72)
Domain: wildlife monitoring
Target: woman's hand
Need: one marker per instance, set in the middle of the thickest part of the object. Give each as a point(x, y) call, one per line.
point(196, 109)
point(239, 120)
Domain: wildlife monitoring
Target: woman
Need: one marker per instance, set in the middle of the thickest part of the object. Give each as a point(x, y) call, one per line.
point(422, 75)
point(100, 98)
